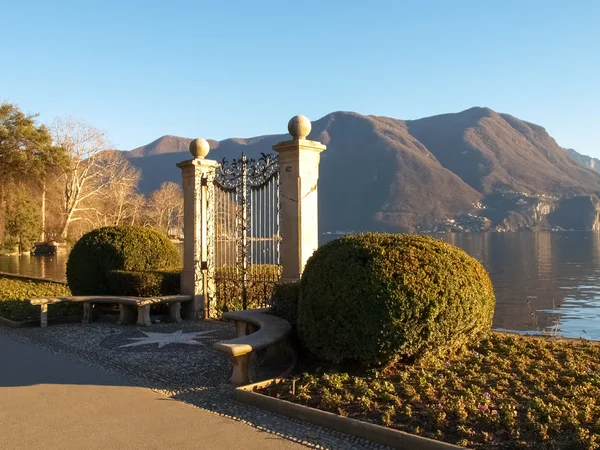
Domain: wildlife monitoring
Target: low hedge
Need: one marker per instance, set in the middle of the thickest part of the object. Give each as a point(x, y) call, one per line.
point(13, 292)
point(145, 284)
point(126, 248)
point(262, 279)
point(373, 298)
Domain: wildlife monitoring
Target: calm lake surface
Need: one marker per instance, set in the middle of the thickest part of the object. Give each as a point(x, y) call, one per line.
point(544, 282)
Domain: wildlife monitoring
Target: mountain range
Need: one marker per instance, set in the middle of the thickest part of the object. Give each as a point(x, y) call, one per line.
point(467, 171)
point(584, 160)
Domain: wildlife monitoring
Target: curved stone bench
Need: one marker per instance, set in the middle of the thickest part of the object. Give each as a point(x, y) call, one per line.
point(256, 330)
point(127, 307)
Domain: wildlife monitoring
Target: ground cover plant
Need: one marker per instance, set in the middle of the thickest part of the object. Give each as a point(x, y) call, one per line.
point(506, 392)
point(13, 291)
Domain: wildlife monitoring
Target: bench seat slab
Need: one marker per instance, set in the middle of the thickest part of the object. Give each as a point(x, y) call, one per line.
point(255, 331)
point(127, 307)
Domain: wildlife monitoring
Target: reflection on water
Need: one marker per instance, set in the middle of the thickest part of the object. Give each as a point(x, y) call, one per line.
point(51, 267)
point(544, 282)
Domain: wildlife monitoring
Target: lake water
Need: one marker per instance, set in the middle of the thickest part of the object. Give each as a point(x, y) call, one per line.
point(544, 282)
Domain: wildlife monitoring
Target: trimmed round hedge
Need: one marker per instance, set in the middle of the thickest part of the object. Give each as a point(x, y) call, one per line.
point(285, 301)
point(375, 298)
point(123, 248)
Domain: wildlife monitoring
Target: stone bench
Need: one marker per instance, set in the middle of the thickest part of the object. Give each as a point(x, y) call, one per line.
point(127, 307)
point(256, 330)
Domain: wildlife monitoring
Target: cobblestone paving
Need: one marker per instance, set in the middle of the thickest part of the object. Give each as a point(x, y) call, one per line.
point(191, 373)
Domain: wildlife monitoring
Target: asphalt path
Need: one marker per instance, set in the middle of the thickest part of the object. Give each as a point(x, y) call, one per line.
point(50, 402)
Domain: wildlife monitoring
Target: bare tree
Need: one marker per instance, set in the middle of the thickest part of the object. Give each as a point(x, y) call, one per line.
point(116, 201)
point(165, 208)
point(82, 180)
point(137, 210)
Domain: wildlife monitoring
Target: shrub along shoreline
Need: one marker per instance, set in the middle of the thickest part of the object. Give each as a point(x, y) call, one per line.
point(507, 392)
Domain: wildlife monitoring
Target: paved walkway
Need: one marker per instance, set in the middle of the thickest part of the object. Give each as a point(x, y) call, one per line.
point(107, 386)
point(48, 401)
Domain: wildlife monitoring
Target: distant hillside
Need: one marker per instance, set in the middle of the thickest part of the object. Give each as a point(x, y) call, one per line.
point(493, 152)
point(163, 145)
point(464, 171)
point(585, 161)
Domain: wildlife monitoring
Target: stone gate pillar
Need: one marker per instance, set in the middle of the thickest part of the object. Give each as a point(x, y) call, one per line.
point(298, 174)
point(197, 176)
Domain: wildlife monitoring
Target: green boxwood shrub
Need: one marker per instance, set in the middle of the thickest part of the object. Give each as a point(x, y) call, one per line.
point(374, 298)
point(145, 284)
point(126, 248)
point(285, 301)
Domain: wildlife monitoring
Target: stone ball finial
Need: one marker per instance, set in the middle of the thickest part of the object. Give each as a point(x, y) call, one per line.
point(199, 148)
point(299, 127)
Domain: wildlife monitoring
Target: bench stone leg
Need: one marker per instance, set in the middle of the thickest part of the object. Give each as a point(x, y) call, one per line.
point(126, 315)
point(243, 369)
point(252, 367)
point(241, 328)
point(43, 316)
point(143, 317)
point(277, 354)
point(175, 312)
point(88, 313)
point(191, 309)
point(244, 328)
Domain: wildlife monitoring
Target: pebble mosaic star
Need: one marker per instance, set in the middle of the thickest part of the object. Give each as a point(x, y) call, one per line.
point(162, 339)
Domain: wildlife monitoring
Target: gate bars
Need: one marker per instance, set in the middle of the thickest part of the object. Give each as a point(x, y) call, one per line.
point(244, 262)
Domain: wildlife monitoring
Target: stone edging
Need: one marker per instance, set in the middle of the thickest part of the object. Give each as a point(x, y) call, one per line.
point(14, 324)
point(376, 433)
point(35, 323)
point(26, 278)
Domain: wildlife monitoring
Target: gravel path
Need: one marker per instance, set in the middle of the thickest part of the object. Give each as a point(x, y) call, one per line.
point(178, 361)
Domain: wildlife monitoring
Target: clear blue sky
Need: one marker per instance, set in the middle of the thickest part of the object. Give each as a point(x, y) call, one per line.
point(143, 69)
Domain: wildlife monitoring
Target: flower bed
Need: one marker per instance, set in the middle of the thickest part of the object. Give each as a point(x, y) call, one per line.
point(508, 392)
point(14, 291)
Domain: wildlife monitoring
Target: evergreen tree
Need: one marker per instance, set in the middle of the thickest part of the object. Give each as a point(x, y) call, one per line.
point(27, 157)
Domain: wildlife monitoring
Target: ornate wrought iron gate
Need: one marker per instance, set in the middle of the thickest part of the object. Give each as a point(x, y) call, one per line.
point(243, 233)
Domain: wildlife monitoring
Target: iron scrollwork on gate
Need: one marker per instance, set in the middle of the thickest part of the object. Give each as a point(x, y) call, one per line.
point(245, 232)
